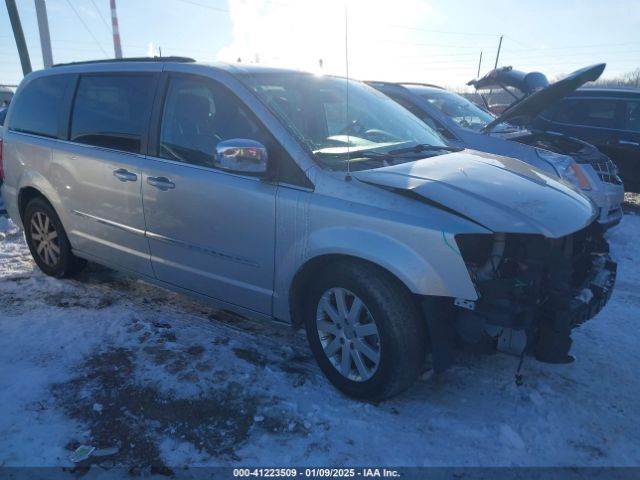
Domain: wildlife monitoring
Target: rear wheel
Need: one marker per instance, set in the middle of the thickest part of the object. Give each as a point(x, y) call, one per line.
point(364, 330)
point(48, 241)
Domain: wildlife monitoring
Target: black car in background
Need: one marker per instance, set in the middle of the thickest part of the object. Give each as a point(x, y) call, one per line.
point(606, 117)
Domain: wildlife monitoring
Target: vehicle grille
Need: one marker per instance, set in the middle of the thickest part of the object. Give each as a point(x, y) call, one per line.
point(607, 171)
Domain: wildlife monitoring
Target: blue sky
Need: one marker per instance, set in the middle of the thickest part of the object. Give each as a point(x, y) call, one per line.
point(410, 40)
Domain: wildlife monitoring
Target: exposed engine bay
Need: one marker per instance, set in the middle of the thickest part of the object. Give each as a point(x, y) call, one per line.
point(532, 291)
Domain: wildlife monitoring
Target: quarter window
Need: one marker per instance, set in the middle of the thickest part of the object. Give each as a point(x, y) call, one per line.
point(589, 112)
point(112, 110)
point(38, 108)
point(197, 116)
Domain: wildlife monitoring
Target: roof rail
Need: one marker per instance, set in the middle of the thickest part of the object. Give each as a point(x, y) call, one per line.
point(423, 84)
point(404, 83)
point(130, 59)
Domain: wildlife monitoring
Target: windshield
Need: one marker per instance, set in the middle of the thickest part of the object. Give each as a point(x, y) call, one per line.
point(462, 111)
point(370, 132)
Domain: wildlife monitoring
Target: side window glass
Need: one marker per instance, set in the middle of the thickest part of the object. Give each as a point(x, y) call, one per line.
point(589, 112)
point(37, 109)
point(112, 110)
point(197, 116)
point(431, 122)
point(632, 115)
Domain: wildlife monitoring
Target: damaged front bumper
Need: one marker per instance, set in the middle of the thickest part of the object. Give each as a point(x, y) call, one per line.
point(532, 291)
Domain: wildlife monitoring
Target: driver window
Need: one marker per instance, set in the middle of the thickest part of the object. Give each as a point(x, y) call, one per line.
point(197, 116)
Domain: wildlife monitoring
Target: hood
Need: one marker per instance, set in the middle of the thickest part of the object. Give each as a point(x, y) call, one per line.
point(499, 193)
point(525, 110)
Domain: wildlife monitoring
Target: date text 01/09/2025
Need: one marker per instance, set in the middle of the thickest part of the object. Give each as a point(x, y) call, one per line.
point(315, 472)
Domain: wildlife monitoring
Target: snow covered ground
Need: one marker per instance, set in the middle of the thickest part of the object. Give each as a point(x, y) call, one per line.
point(110, 361)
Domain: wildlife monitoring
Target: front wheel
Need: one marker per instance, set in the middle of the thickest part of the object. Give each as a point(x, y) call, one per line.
point(364, 330)
point(48, 241)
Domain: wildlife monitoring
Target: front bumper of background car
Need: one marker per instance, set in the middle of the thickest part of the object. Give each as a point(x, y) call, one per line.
point(608, 197)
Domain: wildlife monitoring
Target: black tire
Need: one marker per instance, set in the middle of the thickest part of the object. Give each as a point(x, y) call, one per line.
point(400, 337)
point(61, 263)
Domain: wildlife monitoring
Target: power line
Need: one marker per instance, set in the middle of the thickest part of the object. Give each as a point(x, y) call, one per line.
point(101, 17)
point(210, 7)
point(458, 66)
point(570, 47)
point(421, 44)
point(446, 32)
point(87, 28)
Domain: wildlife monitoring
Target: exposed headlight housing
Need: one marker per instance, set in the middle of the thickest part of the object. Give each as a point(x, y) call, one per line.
point(566, 167)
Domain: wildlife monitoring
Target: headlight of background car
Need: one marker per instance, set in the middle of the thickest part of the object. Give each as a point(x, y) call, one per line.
point(566, 167)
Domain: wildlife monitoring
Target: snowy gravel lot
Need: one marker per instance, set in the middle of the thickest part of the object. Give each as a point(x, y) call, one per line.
point(164, 381)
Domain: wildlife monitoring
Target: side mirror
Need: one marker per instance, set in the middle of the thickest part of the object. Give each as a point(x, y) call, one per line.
point(241, 155)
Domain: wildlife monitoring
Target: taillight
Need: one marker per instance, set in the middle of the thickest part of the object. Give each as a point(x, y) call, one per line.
point(1, 163)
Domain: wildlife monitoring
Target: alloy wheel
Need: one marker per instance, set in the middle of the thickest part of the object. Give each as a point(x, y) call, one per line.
point(348, 334)
point(45, 238)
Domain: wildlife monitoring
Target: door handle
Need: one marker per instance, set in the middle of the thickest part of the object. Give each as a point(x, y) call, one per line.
point(125, 175)
point(162, 183)
point(628, 142)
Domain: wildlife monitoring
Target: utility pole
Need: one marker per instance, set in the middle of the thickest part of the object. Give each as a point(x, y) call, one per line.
point(116, 32)
point(18, 34)
point(43, 28)
point(479, 65)
point(498, 54)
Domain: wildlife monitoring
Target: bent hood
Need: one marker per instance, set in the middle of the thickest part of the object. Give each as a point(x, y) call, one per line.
point(499, 193)
point(525, 110)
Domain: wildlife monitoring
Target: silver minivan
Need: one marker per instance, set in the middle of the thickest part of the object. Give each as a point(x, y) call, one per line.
point(307, 199)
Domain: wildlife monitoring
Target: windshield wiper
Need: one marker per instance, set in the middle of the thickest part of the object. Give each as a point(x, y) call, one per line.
point(423, 147)
point(357, 154)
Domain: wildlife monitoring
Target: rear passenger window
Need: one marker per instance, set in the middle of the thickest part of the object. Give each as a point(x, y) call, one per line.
point(112, 110)
point(39, 106)
point(632, 116)
point(589, 112)
point(197, 116)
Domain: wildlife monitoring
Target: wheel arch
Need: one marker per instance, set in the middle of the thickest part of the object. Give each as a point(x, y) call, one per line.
point(314, 265)
point(27, 194)
point(33, 184)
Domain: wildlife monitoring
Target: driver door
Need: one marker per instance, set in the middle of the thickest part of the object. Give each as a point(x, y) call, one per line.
point(210, 231)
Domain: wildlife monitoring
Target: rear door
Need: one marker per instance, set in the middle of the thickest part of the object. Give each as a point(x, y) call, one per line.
point(209, 231)
point(99, 168)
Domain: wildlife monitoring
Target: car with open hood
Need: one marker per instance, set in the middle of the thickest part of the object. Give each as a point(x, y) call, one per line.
point(311, 200)
point(465, 124)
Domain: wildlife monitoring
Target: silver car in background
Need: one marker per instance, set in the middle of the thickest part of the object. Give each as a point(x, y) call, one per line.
point(264, 192)
point(463, 123)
